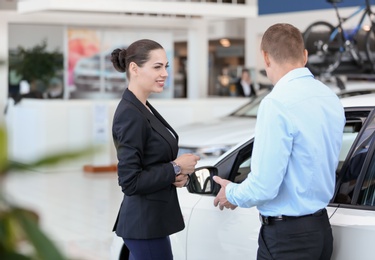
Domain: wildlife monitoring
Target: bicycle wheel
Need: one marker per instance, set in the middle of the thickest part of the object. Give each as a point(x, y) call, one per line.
point(324, 47)
point(370, 47)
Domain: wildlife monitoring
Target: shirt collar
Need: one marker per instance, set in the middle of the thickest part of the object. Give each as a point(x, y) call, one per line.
point(293, 74)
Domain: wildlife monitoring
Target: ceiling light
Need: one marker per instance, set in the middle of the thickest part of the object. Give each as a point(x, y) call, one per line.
point(225, 42)
point(366, 28)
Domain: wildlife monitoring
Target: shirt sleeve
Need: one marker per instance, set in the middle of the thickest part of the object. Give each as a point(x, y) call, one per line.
point(272, 148)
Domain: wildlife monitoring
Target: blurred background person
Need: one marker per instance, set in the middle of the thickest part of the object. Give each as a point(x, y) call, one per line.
point(244, 85)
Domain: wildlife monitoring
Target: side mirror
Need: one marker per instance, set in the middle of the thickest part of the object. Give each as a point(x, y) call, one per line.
point(201, 181)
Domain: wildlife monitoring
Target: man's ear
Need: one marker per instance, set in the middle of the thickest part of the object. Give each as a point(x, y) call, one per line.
point(266, 58)
point(305, 53)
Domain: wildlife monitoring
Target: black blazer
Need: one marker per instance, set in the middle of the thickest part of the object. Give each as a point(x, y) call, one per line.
point(241, 93)
point(145, 147)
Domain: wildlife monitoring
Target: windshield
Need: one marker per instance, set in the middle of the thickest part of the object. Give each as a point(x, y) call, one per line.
point(250, 109)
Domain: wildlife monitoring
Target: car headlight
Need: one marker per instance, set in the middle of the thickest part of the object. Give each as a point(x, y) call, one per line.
point(205, 152)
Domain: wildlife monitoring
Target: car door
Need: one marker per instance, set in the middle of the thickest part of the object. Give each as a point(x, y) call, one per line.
point(227, 234)
point(233, 234)
point(353, 222)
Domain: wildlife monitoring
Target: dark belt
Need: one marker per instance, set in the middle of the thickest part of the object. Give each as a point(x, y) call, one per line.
point(265, 220)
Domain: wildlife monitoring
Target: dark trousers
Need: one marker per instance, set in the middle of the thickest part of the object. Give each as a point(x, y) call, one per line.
point(305, 238)
point(149, 249)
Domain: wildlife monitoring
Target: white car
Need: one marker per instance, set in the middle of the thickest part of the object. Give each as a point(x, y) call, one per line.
point(221, 235)
point(213, 138)
point(214, 234)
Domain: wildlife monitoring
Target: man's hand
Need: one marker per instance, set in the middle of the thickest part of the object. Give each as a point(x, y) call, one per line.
point(221, 198)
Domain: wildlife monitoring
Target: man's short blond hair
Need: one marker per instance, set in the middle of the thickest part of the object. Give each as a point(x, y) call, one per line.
point(284, 43)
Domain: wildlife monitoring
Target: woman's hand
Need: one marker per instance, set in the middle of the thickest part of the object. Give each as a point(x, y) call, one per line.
point(187, 162)
point(181, 180)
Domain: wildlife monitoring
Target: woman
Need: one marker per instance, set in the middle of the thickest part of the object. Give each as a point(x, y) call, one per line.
point(147, 146)
point(244, 85)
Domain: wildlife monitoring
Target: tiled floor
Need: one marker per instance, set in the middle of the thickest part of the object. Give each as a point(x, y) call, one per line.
point(77, 209)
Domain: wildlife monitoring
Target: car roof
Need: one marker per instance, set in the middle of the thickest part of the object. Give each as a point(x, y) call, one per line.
point(359, 101)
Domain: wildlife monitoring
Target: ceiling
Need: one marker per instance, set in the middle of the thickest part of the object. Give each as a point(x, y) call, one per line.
point(208, 9)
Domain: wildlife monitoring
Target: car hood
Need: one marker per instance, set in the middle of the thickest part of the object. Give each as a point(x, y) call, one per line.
point(358, 101)
point(227, 130)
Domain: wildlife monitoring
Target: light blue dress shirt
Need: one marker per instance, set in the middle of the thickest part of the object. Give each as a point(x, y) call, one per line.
point(298, 138)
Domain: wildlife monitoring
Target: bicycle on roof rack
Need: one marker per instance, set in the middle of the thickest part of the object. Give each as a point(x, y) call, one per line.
point(329, 45)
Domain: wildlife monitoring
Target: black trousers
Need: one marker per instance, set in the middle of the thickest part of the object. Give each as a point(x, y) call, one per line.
point(305, 238)
point(149, 249)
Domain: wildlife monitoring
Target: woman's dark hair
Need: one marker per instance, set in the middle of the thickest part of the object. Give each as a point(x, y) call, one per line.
point(137, 52)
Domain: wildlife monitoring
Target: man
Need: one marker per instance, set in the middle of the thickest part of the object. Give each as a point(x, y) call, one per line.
point(298, 138)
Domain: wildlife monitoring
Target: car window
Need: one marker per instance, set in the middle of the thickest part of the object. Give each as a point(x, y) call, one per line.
point(367, 195)
point(243, 171)
point(241, 164)
point(350, 169)
point(351, 130)
point(367, 192)
point(251, 108)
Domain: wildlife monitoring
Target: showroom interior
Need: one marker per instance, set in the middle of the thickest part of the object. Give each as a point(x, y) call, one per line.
point(76, 200)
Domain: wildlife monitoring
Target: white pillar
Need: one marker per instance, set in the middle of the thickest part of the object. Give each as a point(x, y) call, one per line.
point(4, 62)
point(252, 49)
point(253, 57)
point(197, 61)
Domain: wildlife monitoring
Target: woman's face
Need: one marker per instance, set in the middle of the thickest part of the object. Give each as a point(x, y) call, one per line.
point(246, 76)
point(152, 75)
